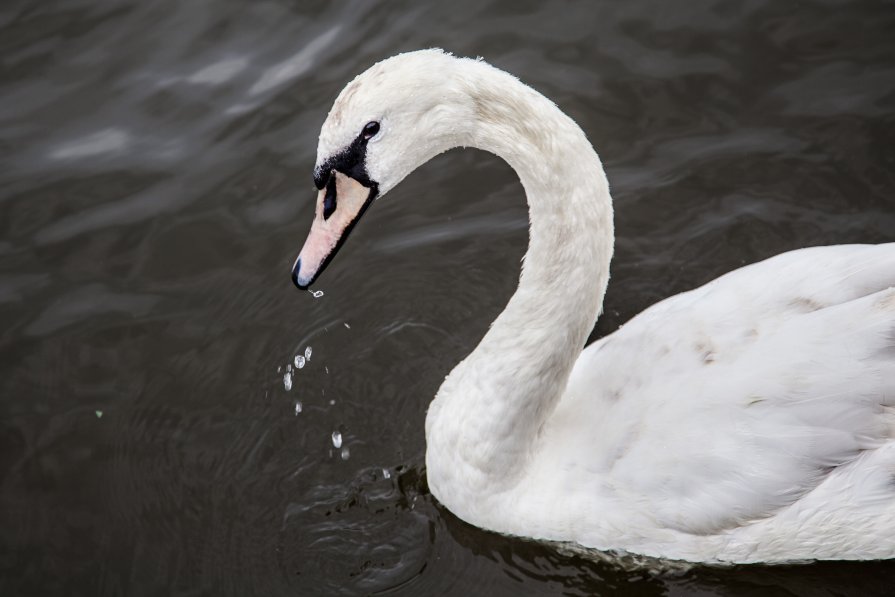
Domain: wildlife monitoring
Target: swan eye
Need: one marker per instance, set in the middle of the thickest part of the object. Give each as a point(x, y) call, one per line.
point(370, 130)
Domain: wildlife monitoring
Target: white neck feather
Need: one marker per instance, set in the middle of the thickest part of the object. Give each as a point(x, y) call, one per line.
point(484, 422)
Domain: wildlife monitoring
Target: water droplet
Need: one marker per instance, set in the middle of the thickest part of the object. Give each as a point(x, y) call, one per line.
point(287, 380)
point(332, 402)
point(337, 439)
point(345, 453)
point(297, 407)
point(386, 474)
point(308, 352)
point(299, 361)
point(289, 367)
point(325, 368)
point(99, 414)
point(316, 293)
point(347, 326)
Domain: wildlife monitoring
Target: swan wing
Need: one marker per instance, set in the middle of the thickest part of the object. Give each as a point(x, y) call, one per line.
point(721, 406)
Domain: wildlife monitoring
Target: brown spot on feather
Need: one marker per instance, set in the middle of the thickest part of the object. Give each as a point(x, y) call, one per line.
point(887, 301)
point(805, 304)
point(706, 350)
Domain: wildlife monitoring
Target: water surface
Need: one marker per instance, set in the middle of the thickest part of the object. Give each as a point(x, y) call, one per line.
point(156, 186)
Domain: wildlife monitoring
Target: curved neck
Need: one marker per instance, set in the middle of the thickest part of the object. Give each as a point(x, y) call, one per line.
point(486, 417)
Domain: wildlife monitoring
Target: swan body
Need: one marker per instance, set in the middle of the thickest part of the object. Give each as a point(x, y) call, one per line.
point(749, 420)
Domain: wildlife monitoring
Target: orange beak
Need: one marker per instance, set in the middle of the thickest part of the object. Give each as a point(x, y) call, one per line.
point(340, 204)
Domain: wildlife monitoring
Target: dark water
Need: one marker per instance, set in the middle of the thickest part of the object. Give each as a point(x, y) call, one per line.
point(156, 186)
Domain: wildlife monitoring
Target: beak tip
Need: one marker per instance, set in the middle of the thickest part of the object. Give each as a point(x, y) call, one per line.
point(296, 279)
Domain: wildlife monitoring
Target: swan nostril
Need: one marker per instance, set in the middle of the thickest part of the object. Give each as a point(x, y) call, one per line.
point(329, 200)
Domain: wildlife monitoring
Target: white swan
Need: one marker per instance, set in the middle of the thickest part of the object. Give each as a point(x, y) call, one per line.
point(749, 420)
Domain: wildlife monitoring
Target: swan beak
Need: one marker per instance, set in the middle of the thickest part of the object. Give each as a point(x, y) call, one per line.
point(340, 204)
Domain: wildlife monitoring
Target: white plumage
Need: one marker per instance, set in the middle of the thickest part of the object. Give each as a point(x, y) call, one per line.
point(749, 420)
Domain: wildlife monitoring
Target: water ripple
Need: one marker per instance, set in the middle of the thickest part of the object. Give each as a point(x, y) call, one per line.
point(156, 186)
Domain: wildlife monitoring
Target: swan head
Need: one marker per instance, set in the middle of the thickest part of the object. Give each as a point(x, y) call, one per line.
point(385, 123)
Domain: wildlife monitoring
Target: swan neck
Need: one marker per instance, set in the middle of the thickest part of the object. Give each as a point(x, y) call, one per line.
point(489, 411)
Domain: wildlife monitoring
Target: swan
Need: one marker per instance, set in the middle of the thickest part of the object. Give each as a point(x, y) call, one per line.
point(749, 420)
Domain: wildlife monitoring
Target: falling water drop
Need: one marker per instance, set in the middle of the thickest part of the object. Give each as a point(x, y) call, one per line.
point(345, 453)
point(316, 293)
point(299, 361)
point(287, 380)
point(297, 407)
point(308, 352)
point(337, 439)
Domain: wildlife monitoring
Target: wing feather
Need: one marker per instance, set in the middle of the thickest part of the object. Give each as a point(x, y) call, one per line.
point(723, 405)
